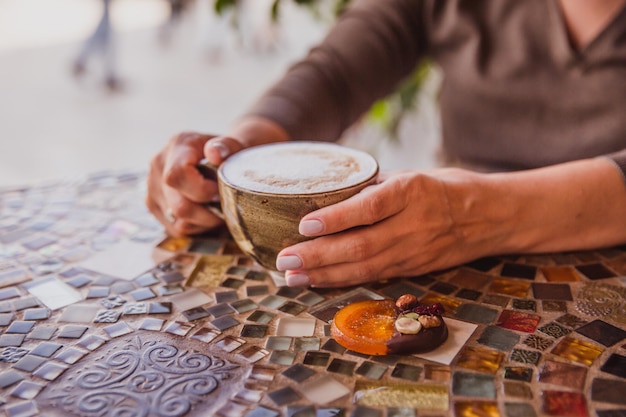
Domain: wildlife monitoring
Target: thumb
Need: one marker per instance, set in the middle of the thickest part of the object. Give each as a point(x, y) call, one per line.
point(217, 149)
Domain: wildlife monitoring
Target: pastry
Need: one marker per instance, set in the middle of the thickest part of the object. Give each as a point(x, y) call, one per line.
point(384, 327)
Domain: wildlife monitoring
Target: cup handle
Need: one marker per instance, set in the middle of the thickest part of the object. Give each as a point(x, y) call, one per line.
point(209, 171)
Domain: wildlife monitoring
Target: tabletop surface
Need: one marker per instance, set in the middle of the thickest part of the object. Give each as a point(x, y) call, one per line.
point(101, 314)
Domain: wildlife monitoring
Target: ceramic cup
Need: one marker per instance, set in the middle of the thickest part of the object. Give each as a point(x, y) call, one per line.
point(265, 190)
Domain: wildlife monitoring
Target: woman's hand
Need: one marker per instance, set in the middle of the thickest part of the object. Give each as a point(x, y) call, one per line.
point(404, 225)
point(177, 190)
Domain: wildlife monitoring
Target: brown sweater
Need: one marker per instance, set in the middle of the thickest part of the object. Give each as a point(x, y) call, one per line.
point(516, 94)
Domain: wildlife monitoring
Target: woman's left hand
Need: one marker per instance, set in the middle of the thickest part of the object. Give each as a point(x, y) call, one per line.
point(402, 226)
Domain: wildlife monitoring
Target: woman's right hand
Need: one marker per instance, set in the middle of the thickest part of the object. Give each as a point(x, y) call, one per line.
point(177, 191)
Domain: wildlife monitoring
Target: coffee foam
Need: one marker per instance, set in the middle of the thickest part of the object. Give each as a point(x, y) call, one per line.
point(298, 168)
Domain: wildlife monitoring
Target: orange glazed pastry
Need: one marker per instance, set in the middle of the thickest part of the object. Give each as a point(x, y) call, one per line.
point(383, 327)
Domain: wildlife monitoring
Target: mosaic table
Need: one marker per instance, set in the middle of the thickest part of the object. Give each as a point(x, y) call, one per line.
point(102, 315)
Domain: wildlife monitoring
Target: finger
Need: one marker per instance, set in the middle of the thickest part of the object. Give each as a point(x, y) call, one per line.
point(372, 205)
point(219, 148)
point(187, 211)
point(356, 245)
point(180, 172)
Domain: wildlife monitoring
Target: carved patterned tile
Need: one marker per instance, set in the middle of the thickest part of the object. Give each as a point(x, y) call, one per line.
point(148, 374)
point(538, 342)
point(554, 329)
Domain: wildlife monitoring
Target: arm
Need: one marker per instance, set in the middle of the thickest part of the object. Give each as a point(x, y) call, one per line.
point(448, 217)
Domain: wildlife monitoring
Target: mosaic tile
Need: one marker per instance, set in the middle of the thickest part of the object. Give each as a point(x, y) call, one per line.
point(423, 280)
point(298, 372)
point(615, 365)
point(12, 354)
point(406, 371)
point(295, 327)
point(505, 286)
point(46, 349)
point(293, 308)
point(595, 271)
point(554, 330)
point(517, 390)
point(476, 313)
point(484, 264)
point(223, 323)
point(602, 332)
point(524, 304)
point(468, 294)
point(8, 293)
point(496, 300)
point(310, 298)
point(284, 396)
point(98, 292)
point(599, 299)
point(173, 277)
point(149, 354)
point(427, 397)
point(118, 329)
point(226, 296)
point(473, 385)
point(243, 306)
point(6, 319)
point(220, 310)
point(79, 281)
point(36, 314)
point(229, 343)
point(205, 335)
point(261, 317)
point(324, 390)
point(282, 357)
point(371, 370)
point(570, 320)
point(525, 356)
point(50, 371)
point(21, 327)
point(543, 291)
point(449, 304)
point(444, 288)
point(272, 302)
point(552, 306)
point(233, 283)
point(316, 358)
point(253, 330)
point(611, 413)
point(560, 403)
point(518, 321)
point(577, 350)
point(195, 313)
point(107, 316)
point(10, 377)
point(253, 354)
point(142, 294)
point(278, 343)
point(342, 366)
point(178, 328)
point(559, 274)
point(479, 359)
point(160, 308)
point(146, 280)
point(91, 342)
point(301, 411)
point(29, 363)
point(189, 299)
point(538, 342)
point(70, 355)
point(25, 303)
point(517, 270)
point(11, 340)
point(437, 373)
point(519, 410)
point(306, 343)
point(131, 309)
point(331, 345)
point(79, 314)
point(608, 391)
point(398, 288)
point(563, 374)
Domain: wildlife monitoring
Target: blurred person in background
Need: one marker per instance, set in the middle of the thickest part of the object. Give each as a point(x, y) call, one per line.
point(100, 42)
point(533, 135)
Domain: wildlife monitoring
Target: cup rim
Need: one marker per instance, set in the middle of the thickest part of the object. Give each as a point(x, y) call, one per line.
point(374, 174)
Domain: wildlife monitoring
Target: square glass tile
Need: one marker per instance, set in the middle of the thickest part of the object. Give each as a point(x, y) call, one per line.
point(615, 365)
point(559, 273)
point(563, 374)
point(577, 350)
point(295, 327)
point(476, 313)
point(310, 298)
point(196, 313)
point(518, 373)
point(561, 403)
point(21, 327)
point(406, 371)
point(272, 302)
point(517, 270)
point(371, 370)
point(284, 396)
point(278, 343)
point(256, 290)
point(543, 291)
point(189, 299)
point(29, 363)
point(608, 391)
point(142, 294)
point(517, 390)
point(261, 317)
point(293, 308)
point(316, 358)
point(36, 314)
point(595, 271)
point(11, 340)
point(205, 335)
point(518, 321)
point(50, 371)
point(53, 293)
point(225, 322)
point(473, 385)
point(341, 366)
point(289, 292)
point(307, 343)
point(253, 354)
point(79, 313)
point(479, 359)
point(298, 372)
point(151, 324)
point(226, 296)
point(602, 332)
point(229, 343)
point(245, 305)
point(253, 330)
point(512, 287)
point(498, 338)
point(98, 292)
point(220, 310)
point(282, 357)
point(46, 349)
point(118, 329)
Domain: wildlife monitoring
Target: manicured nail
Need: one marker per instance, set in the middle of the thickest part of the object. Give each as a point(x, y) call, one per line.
point(221, 148)
point(287, 262)
point(311, 227)
point(298, 280)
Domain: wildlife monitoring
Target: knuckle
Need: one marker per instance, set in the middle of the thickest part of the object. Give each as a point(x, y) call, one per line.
point(358, 248)
point(365, 271)
point(373, 207)
point(180, 209)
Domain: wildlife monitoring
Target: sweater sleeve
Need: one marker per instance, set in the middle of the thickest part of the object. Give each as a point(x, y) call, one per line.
point(371, 48)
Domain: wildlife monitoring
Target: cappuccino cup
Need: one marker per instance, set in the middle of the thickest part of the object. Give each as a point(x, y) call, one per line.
point(265, 190)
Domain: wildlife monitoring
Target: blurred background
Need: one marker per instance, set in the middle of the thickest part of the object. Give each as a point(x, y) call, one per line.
point(67, 109)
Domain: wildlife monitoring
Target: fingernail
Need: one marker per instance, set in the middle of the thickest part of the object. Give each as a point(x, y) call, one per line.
point(311, 227)
point(221, 148)
point(298, 280)
point(287, 262)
